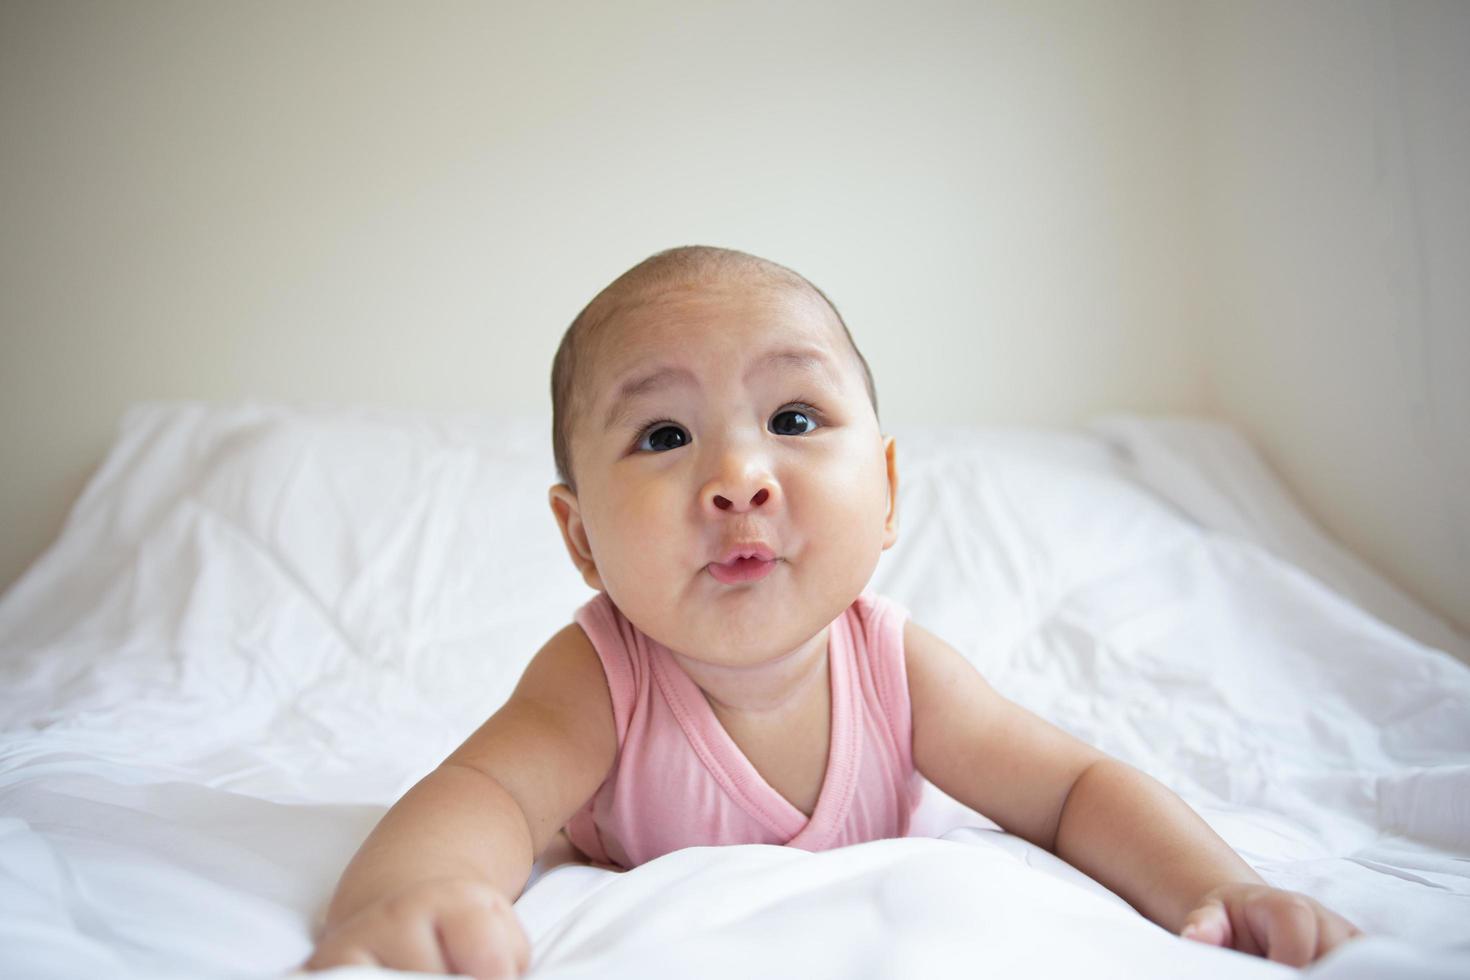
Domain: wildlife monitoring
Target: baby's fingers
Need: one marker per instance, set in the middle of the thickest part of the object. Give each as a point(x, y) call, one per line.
point(1284, 926)
point(486, 947)
point(1332, 931)
point(1209, 924)
point(415, 949)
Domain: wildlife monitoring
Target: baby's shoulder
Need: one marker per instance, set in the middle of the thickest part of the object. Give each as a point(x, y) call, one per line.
point(609, 632)
point(565, 672)
point(881, 617)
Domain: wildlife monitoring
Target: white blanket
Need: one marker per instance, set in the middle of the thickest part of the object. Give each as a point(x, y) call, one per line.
point(260, 625)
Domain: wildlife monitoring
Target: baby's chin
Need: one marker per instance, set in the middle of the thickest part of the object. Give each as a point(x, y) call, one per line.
point(739, 635)
point(738, 625)
point(751, 652)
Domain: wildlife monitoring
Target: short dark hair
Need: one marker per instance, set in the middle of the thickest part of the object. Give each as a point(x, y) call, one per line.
point(674, 266)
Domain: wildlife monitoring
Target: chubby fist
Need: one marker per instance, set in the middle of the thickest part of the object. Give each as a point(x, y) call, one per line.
point(1283, 926)
point(448, 925)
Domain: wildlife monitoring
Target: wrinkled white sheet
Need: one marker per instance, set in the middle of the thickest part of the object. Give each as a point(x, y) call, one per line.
point(261, 624)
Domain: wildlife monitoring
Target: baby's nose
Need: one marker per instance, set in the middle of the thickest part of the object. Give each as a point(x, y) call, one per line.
point(760, 497)
point(740, 480)
point(738, 486)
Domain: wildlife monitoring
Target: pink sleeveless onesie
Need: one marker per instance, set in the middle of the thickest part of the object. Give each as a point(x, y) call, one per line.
point(679, 780)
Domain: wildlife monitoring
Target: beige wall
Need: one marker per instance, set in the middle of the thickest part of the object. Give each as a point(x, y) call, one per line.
point(1334, 214)
point(404, 204)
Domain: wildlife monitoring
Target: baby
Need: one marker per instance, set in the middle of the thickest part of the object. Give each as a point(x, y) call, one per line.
point(727, 491)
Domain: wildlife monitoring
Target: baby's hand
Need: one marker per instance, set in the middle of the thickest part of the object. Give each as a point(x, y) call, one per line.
point(1284, 926)
point(445, 926)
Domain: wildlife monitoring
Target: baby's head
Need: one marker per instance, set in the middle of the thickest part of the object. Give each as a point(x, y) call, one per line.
point(709, 404)
point(684, 268)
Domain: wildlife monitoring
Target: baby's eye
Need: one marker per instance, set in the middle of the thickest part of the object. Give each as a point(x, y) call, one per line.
point(662, 438)
point(792, 422)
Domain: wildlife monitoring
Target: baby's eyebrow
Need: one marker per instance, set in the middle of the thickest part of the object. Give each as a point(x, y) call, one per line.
point(642, 384)
point(804, 358)
point(801, 357)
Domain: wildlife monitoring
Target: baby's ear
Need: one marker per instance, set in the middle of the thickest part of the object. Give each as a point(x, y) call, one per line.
point(890, 524)
point(574, 533)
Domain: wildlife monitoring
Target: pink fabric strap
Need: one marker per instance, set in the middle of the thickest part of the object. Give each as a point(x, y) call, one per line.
point(680, 780)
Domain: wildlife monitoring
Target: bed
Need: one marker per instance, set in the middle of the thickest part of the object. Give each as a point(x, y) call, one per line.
point(262, 623)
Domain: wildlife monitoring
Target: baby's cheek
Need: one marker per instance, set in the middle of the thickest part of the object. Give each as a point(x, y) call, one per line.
point(862, 490)
point(639, 552)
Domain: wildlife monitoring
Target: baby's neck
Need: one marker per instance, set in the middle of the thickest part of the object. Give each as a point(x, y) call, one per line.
point(772, 688)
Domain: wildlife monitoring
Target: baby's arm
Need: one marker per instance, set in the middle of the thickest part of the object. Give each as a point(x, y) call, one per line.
point(1104, 817)
point(432, 886)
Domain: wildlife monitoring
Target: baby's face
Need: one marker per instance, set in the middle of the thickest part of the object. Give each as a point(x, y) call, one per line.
point(723, 420)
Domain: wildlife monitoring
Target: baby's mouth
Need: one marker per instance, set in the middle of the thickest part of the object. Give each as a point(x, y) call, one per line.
point(742, 570)
point(743, 563)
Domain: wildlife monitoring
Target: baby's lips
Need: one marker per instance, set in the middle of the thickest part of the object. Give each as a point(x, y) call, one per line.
point(741, 569)
point(749, 549)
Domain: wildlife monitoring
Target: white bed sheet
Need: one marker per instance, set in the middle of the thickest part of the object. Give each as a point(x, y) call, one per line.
point(261, 624)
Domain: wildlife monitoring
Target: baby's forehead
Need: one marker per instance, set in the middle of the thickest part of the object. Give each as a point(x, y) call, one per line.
point(689, 317)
